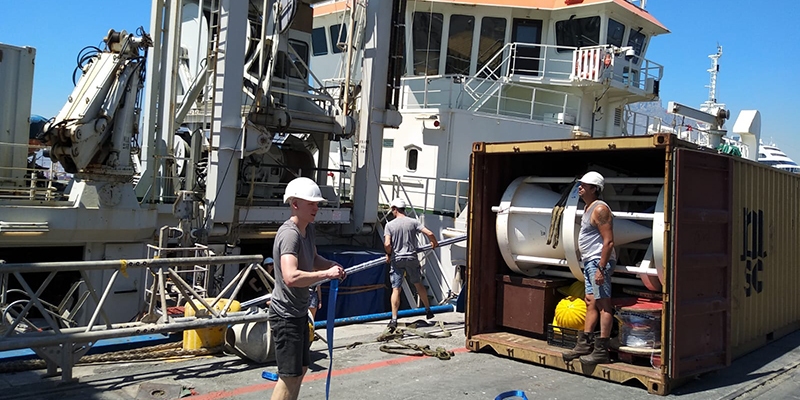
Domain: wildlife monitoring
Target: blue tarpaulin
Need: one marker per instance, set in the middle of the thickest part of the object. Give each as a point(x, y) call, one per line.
point(361, 293)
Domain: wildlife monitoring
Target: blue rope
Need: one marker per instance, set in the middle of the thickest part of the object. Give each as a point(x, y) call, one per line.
point(332, 292)
point(511, 393)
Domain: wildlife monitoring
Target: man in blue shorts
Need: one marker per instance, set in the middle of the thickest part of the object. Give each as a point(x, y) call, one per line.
point(400, 243)
point(596, 243)
point(297, 266)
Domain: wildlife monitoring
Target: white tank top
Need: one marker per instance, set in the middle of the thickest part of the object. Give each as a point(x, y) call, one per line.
point(589, 240)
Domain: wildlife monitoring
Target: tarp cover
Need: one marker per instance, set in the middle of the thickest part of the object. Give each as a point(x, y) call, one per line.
point(362, 293)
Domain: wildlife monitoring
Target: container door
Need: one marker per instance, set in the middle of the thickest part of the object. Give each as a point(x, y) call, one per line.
point(700, 290)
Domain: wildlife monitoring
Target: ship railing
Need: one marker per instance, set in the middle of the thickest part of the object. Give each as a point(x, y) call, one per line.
point(527, 102)
point(599, 63)
point(491, 97)
point(526, 62)
point(62, 339)
point(566, 65)
point(444, 196)
point(639, 124)
point(689, 129)
point(36, 178)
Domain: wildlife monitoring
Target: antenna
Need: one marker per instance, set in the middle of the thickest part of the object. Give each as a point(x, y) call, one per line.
point(712, 86)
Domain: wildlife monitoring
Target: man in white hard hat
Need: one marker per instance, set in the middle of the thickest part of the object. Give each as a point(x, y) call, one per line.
point(596, 243)
point(400, 243)
point(297, 266)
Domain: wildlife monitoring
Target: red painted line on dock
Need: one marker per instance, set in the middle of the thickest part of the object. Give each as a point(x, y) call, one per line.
point(312, 377)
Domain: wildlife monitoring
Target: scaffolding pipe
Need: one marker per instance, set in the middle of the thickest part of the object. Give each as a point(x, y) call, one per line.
point(108, 264)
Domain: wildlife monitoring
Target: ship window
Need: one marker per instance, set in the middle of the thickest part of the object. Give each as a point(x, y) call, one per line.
point(338, 35)
point(615, 33)
point(411, 159)
point(427, 42)
point(578, 32)
point(301, 48)
point(493, 35)
point(636, 40)
point(459, 44)
point(319, 42)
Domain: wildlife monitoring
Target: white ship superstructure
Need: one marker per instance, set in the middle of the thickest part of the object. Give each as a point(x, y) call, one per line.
point(771, 155)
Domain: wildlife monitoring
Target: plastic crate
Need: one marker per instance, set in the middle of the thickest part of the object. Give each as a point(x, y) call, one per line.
point(566, 338)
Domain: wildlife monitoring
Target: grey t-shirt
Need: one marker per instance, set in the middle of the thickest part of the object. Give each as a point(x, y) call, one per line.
point(292, 302)
point(403, 233)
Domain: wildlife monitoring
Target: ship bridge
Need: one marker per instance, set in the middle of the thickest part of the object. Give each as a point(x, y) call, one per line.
point(536, 60)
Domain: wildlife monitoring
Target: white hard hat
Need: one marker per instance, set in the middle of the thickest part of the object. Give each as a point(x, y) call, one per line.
point(399, 203)
point(302, 188)
point(593, 178)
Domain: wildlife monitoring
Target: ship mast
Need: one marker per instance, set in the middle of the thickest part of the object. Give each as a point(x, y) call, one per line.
point(711, 103)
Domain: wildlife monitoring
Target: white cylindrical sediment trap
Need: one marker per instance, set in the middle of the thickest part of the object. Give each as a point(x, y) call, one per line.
point(524, 224)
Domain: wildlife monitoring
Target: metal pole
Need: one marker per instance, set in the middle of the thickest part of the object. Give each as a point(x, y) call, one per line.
point(102, 300)
point(18, 342)
point(189, 288)
point(107, 264)
point(364, 266)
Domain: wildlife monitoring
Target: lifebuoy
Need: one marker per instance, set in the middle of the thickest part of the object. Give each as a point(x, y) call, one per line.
point(607, 60)
point(584, 66)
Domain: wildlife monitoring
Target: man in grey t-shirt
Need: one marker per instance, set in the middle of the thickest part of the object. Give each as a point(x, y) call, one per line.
point(297, 266)
point(400, 243)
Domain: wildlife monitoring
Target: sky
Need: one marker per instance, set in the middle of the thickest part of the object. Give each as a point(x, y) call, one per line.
point(758, 69)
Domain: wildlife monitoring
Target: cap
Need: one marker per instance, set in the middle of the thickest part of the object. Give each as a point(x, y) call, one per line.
point(399, 203)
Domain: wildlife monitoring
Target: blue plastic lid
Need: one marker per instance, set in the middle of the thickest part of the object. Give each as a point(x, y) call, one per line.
point(269, 375)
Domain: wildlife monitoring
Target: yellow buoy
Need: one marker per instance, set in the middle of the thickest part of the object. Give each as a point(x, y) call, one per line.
point(576, 289)
point(570, 313)
point(206, 338)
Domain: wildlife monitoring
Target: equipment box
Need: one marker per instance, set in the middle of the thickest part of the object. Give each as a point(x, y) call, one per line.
point(527, 304)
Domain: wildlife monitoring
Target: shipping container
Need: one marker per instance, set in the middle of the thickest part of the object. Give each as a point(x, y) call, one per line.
point(725, 229)
point(16, 91)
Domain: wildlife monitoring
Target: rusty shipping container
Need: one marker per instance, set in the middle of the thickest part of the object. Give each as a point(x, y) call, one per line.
point(730, 266)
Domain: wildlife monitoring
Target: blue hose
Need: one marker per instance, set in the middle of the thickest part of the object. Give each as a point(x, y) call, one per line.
point(385, 315)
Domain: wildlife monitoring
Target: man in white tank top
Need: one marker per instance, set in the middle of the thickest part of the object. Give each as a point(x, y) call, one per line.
point(596, 243)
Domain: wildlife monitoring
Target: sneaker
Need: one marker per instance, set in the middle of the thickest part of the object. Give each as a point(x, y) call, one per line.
point(392, 325)
point(429, 314)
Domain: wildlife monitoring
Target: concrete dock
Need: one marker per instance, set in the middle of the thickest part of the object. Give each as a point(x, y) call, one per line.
point(365, 372)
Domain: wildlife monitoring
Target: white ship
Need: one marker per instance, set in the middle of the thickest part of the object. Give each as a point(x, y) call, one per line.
point(771, 155)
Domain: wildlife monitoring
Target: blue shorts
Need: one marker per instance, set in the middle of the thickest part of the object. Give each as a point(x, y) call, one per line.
point(411, 268)
point(589, 270)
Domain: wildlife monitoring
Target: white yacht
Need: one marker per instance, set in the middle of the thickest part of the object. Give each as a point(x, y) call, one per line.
point(773, 156)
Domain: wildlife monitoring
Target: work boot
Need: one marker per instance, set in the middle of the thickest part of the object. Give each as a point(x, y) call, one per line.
point(600, 353)
point(582, 348)
point(428, 314)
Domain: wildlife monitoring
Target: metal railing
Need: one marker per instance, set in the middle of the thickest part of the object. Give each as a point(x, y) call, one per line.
point(528, 102)
point(425, 190)
point(529, 61)
point(62, 342)
point(490, 97)
point(39, 179)
point(638, 124)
